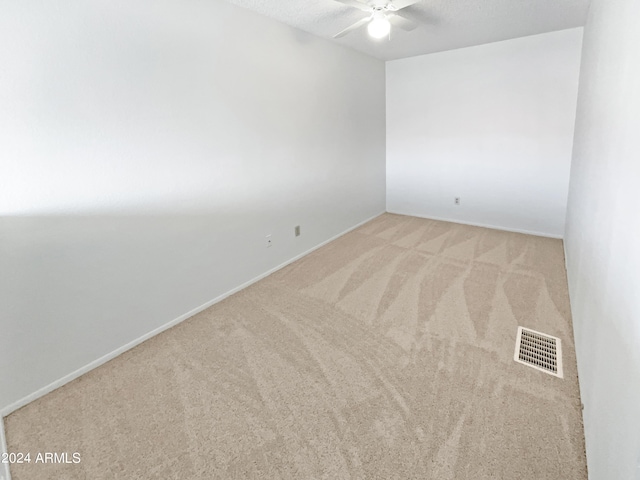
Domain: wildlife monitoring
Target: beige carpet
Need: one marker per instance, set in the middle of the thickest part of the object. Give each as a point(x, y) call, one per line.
point(387, 354)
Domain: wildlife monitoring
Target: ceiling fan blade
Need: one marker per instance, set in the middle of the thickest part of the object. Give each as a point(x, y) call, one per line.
point(356, 4)
point(353, 27)
point(395, 5)
point(403, 21)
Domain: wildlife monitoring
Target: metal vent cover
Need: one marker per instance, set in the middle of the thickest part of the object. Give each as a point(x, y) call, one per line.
point(540, 351)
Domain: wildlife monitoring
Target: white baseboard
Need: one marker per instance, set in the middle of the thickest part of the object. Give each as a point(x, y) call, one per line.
point(483, 225)
point(119, 351)
point(5, 474)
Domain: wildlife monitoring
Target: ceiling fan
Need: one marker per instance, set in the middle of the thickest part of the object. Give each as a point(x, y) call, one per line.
point(382, 14)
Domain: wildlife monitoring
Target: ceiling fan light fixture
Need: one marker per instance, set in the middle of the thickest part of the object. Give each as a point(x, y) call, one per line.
point(379, 26)
point(381, 12)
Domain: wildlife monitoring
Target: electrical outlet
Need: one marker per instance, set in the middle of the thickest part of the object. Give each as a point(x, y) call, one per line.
point(297, 230)
point(268, 240)
point(457, 201)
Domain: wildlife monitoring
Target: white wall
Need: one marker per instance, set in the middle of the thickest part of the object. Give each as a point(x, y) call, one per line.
point(146, 149)
point(603, 239)
point(491, 124)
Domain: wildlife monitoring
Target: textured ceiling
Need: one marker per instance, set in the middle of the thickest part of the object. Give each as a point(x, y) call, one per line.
point(444, 24)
